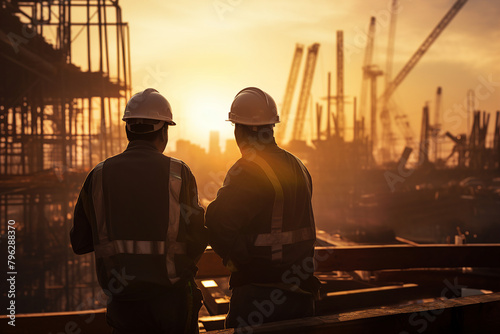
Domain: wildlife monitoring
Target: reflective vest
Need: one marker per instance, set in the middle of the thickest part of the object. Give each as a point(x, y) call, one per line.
point(107, 248)
point(277, 238)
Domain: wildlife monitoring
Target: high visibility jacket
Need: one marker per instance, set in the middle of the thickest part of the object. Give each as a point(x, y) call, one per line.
point(139, 212)
point(262, 219)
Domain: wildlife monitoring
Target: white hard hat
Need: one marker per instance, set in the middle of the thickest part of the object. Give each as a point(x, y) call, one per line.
point(148, 107)
point(253, 106)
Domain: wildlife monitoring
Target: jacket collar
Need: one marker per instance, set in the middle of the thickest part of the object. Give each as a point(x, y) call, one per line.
point(140, 144)
point(255, 147)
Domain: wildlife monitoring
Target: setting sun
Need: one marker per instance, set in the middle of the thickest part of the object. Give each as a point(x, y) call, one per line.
point(202, 109)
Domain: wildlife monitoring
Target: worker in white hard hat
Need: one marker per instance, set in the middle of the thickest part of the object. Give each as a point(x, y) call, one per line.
point(261, 222)
point(139, 212)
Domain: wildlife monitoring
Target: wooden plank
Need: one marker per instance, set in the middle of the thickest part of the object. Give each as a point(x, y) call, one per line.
point(89, 321)
point(442, 278)
point(210, 265)
point(406, 256)
point(344, 301)
point(349, 258)
point(475, 314)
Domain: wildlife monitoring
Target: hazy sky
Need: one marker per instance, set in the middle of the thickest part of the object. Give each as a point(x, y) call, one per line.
point(200, 53)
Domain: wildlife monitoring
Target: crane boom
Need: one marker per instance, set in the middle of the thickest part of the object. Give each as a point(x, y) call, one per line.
point(312, 55)
point(290, 88)
point(423, 48)
point(401, 120)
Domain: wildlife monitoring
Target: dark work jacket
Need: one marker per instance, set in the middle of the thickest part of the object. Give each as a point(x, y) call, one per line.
point(135, 208)
point(243, 210)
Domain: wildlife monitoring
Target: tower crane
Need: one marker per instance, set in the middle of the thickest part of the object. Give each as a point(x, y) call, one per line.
point(290, 88)
point(436, 127)
point(370, 74)
point(401, 119)
point(390, 43)
point(312, 55)
point(367, 61)
point(340, 83)
point(387, 135)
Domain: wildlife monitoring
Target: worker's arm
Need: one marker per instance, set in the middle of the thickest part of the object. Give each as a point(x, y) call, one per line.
point(81, 233)
point(192, 216)
point(230, 214)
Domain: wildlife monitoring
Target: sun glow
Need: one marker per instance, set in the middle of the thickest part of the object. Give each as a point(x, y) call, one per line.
point(202, 111)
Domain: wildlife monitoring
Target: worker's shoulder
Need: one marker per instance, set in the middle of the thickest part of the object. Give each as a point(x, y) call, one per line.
point(247, 168)
point(290, 155)
point(184, 165)
point(96, 168)
point(176, 160)
point(294, 159)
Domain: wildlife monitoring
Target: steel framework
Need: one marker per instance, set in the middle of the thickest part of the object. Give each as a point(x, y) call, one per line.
point(57, 120)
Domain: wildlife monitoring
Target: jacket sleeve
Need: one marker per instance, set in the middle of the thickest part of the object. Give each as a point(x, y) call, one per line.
point(237, 203)
point(81, 232)
point(192, 215)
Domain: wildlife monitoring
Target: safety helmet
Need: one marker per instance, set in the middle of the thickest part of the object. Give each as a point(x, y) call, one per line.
point(148, 107)
point(253, 106)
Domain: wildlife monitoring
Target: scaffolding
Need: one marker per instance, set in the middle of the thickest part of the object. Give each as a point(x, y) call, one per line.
point(66, 77)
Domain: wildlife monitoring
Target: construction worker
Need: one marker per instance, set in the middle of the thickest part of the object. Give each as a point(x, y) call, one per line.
point(139, 212)
point(261, 222)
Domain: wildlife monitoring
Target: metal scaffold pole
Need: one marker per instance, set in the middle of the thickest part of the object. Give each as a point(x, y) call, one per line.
point(49, 138)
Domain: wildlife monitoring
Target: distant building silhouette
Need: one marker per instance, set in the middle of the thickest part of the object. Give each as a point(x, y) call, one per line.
point(232, 152)
point(214, 144)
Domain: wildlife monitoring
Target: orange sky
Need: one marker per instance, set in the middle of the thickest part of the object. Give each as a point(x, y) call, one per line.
point(200, 53)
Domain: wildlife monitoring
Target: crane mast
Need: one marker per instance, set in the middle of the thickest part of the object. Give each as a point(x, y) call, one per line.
point(312, 55)
point(290, 88)
point(340, 84)
point(436, 128)
point(370, 74)
point(387, 135)
point(366, 64)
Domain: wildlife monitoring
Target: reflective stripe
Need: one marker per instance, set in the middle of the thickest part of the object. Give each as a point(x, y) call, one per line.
point(309, 190)
point(277, 218)
point(131, 247)
point(98, 201)
point(284, 238)
point(277, 238)
point(174, 212)
point(170, 247)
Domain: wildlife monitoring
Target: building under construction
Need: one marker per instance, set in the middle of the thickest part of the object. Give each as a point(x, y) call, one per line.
point(67, 71)
point(372, 185)
point(66, 77)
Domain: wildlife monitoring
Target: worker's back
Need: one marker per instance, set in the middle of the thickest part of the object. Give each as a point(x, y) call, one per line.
point(139, 212)
point(136, 200)
point(128, 202)
point(246, 202)
point(261, 222)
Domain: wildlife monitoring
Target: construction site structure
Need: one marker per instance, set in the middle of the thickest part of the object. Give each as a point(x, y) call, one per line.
point(329, 115)
point(289, 91)
point(66, 78)
point(369, 80)
point(496, 143)
point(340, 84)
point(367, 62)
point(305, 92)
point(436, 127)
point(387, 137)
point(401, 119)
point(423, 157)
